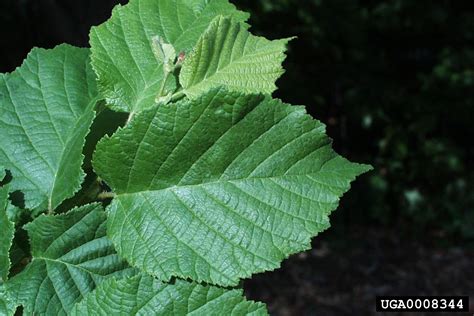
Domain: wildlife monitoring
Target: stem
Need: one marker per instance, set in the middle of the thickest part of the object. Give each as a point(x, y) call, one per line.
point(106, 195)
point(91, 193)
point(178, 95)
point(130, 116)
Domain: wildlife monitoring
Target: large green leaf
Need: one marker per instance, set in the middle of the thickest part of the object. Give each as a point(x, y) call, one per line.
point(144, 295)
point(46, 109)
point(130, 75)
point(220, 188)
point(228, 55)
point(71, 255)
point(6, 236)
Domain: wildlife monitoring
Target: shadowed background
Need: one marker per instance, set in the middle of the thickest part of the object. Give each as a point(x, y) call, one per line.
point(394, 82)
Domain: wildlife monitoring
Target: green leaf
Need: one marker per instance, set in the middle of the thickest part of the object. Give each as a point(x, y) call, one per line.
point(220, 188)
point(6, 237)
point(130, 76)
point(228, 55)
point(46, 109)
point(7, 306)
point(71, 255)
point(144, 295)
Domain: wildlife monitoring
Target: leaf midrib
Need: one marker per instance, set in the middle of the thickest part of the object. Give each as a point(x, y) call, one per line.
point(57, 261)
point(89, 106)
point(238, 180)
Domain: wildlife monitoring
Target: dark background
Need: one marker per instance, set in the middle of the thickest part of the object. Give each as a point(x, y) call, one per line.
point(394, 82)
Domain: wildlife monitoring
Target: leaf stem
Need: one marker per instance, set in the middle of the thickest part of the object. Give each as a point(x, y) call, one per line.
point(130, 116)
point(178, 95)
point(105, 195)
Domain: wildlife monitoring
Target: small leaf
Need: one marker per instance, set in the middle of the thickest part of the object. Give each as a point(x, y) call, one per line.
point(220, 188)
point(46, 109)
point(129, 74)
point(228, 55)
point(6, 235)
point(143, 295)
point(71, 255)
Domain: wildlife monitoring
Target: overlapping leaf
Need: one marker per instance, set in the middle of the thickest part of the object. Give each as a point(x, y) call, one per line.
point(228, 55)
point(46, 109)
point(220, 188)
point(71, 255)
point(7, 229)
point(130, 76)
point(144, 295)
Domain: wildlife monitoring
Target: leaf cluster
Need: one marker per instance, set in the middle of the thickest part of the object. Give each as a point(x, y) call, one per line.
point(206, 181)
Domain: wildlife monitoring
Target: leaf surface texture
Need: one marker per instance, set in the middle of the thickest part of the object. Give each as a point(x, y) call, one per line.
point(228, 55)
point(144, 295)
point(71, 255)
point(46, 109)
point(7, 306)
point(6, 236)
point(220, 188)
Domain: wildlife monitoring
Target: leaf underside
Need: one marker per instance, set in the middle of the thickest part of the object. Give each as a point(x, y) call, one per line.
point(144, 295)
point(46, 111)
point(128, 71)
point(71, 255)
point(220, 188)
point(228, 55)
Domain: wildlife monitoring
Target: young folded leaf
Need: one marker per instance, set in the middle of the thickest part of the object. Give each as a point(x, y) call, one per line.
point(46, 109)
point(228, 55)
point(129, 74)
point(144, 295)
point(71, 255)
point(220, 188)
point(165, 53)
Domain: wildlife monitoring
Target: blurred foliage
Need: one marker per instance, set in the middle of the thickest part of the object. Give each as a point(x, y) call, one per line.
point(394, 81)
